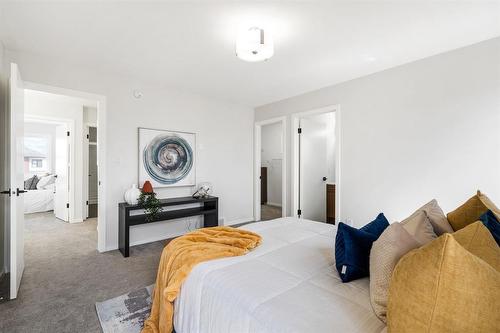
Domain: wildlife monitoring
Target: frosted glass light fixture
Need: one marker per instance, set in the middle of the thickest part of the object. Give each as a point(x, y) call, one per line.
point(254, 44)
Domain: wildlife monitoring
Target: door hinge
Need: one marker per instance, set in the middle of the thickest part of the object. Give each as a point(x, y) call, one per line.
point(299, 212)
point(67, 133)
point(299, 130)
point(67, 205)
point(87, 203)
point(87, 136)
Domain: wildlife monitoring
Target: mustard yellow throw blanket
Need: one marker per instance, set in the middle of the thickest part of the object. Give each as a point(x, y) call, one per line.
point(178, 259)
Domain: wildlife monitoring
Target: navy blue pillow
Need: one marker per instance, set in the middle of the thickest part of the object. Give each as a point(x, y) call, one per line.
point(352, 248)
point(491, 222)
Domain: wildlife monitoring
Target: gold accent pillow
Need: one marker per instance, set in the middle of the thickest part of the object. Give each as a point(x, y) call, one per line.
point(478, 240)
point(471, 210)
point(444, 287)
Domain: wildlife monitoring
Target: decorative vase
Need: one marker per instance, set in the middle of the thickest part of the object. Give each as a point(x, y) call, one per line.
point(147, 187)
point(132, 195)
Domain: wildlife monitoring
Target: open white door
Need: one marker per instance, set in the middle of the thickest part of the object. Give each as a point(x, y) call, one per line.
point(16, 146)
point(313, 166)
point(86, 173)
point(61, 198)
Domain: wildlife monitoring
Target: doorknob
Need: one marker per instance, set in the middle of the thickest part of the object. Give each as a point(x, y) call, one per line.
point(18, 191)
point(6, 192)
point(324, 179)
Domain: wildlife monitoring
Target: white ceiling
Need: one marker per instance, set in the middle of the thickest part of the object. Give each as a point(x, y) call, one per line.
point(190, 45)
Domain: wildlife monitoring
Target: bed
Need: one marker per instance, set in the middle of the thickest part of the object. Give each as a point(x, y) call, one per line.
point(287, 284)
point(37, 201)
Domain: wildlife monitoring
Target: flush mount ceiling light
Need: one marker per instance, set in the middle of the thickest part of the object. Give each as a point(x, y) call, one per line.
point(254, 44)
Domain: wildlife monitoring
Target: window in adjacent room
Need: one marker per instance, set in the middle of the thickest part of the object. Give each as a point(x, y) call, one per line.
point(36, 154)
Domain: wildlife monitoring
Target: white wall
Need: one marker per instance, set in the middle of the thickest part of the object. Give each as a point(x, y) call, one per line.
point(89, 115)
point(271, 157)
point(224, 138)
point(428, 129)
point(45, 130)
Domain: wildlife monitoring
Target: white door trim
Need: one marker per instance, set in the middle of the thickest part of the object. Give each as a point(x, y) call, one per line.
point(338, 156)
point(101, 152)
point(257, 164)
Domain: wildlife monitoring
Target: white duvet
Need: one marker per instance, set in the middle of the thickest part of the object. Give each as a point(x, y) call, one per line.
point(36, 201)
point(287, 284)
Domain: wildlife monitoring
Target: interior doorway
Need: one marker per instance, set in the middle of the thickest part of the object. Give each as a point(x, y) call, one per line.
point(14, 189)
point(91, 172)
point(270, 169)
point(47, 163)
point(316, 164)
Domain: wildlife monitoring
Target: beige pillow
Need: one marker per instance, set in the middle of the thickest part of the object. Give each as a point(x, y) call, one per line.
point(436, 217)
point(419, 226)
point(445, 287)
point(386, 251)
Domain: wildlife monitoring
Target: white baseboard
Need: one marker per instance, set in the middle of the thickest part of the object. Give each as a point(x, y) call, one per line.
point(242, 220)
point(277, 205)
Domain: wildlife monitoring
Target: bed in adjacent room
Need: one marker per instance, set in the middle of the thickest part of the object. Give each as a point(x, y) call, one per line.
point(287, 284)
point(38, 201)
point(40, 193)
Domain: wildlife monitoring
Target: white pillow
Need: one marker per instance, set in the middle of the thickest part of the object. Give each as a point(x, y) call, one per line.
point(50, 187)
point(44, 181)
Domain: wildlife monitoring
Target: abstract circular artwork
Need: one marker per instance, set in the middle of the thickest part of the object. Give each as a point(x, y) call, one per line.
point(168, 158)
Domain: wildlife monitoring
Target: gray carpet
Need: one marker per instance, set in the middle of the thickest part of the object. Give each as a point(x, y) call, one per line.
point(65, 276)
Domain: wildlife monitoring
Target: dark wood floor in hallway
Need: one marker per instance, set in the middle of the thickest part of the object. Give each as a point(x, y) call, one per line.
point(268, 212)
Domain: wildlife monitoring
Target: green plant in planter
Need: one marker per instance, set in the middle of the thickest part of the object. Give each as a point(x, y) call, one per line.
point(151, 205)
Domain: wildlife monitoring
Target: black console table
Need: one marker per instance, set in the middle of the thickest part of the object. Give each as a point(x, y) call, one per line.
point(208, 208)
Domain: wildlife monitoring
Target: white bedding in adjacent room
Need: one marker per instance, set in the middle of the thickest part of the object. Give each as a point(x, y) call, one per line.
point(37, 201)
point(287, 284)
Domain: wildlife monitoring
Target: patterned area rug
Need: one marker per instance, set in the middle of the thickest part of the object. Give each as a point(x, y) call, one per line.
point(125, 313)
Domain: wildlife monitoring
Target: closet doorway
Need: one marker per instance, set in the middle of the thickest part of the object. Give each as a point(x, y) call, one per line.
point(91, 182)
point(270, 169)
point(316, 164)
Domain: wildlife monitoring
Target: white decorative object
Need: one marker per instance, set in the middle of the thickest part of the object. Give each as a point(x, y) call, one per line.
point(254, 44)
point(204, 190)
point(132, 195)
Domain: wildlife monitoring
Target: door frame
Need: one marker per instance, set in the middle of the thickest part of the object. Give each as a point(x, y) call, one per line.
point(86, 159)
point(101, 149)
point(338, 156)
point(257, 164)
